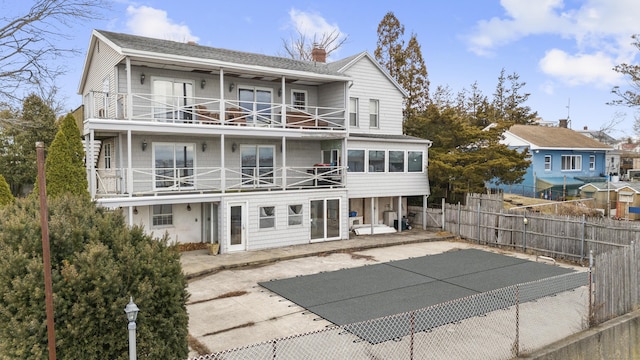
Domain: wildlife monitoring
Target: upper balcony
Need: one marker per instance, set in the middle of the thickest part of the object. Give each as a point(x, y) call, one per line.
point(211, 111)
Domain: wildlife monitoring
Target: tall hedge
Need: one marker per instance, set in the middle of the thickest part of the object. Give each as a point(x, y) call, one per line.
point(97, 264)
point(65, 170)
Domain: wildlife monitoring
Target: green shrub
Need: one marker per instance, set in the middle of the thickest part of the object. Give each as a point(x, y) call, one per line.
point(97, 263)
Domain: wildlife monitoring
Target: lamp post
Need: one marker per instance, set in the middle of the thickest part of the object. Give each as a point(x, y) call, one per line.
point(132, 313)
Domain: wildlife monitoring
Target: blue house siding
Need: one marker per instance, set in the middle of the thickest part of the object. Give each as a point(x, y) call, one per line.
point(551, 183)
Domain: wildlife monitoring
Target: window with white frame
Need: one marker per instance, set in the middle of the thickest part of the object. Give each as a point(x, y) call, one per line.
point(396, 161)
point(571, 162)
point(547, 162)
point(376, 160)
point(374, 112)
point(592, 162)
point(162, 215)
point(107, 155)
point(414, 163)
point(173, 165)
point(258, 164)
point(295, 214)
point(355, 161)
point(299, 99)
point(267, 217)
point(353, 112)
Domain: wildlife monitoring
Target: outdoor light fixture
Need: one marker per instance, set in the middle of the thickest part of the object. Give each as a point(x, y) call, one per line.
point(188, 207)
point(231, 87)
point(280, 92)
point(135, 210)
point(203, 83)
point(132, 313)
point(525, 221)
point(142, 78)
point(234, 146)
point(204, 146)
point(144, 145)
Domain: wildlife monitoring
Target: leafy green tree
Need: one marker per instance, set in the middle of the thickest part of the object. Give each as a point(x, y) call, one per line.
point(97, 263)
point(466, 154)
point(65, 171)
point(405, 64)
point(6, 197)
point(20, 132)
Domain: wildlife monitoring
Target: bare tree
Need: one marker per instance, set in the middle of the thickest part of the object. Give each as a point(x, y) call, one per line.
point(300, 47)
point(29, 45)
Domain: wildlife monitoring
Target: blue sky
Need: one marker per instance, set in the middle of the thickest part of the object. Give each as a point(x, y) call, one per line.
point(563, 50)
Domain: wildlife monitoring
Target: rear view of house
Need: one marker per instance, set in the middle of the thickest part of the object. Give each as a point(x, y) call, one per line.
point(246, 150)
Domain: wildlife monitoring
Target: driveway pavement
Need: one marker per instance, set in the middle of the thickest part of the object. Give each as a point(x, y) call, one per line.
point(228, 309)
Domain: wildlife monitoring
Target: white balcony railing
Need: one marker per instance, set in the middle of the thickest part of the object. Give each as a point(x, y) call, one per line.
point(150, 181)
point(194, 110)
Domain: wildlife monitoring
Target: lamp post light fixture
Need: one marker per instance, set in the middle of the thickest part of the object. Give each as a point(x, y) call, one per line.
point(132, 313)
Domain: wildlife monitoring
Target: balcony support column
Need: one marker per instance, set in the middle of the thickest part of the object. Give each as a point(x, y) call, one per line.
point(129, 109)
point(223, 106)
point(283, 101)
point(92, 164)
point(223, 172)
point(283, 150)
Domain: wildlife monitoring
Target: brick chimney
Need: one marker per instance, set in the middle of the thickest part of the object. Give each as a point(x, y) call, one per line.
point(318, 54)
point(563, 123)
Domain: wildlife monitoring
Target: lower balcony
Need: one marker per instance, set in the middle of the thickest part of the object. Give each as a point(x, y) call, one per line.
point(158, 181)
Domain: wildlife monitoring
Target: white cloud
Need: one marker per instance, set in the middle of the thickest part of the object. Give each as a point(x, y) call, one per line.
point(310, 24)
point(150, 22)
point(600, 31)
point(580, 69)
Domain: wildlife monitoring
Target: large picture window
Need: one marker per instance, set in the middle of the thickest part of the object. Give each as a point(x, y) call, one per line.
point(571, 162)
point(173, 165)
point(396, 161)
point(376, 161)
point(355, 161)
point(414, 161)
point(258, 164)
point(172, 99)
point(258, 102)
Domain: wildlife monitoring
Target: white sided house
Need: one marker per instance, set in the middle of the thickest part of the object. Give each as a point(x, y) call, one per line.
point(245, 150)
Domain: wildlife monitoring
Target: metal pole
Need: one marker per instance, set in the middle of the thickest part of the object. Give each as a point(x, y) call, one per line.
point(132, 341)
point(443, 215)
point(46, 252)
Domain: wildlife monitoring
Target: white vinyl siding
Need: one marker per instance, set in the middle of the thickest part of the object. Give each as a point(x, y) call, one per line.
point(369, 83)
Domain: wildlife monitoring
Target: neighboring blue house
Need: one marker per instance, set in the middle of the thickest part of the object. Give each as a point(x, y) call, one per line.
point(562, 160)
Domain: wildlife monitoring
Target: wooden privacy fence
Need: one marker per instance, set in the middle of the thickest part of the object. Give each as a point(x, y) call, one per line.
point(614, 245)
point(565, 237)
point(615, 281)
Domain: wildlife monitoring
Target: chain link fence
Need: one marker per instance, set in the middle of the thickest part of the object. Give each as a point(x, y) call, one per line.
point(499, 324)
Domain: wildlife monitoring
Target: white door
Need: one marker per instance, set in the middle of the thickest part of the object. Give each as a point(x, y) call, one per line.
point(236, 226)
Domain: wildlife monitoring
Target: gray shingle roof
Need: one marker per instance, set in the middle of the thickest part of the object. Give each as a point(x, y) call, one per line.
point(140, 43)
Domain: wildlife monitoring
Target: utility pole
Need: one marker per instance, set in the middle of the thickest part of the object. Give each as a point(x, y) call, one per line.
point(46, 252)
